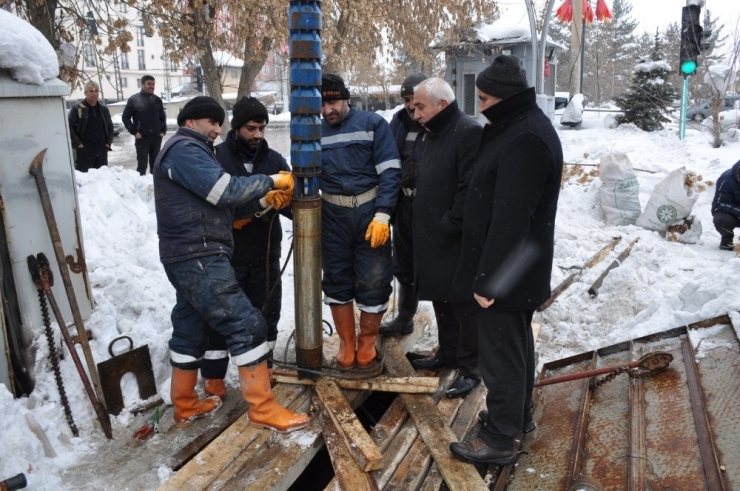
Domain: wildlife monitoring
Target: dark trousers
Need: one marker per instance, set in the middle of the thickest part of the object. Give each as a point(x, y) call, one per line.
point(458, 336)
point(253, 282)
point(726, 225)
point(91, 157)
point(147, 149)
point(403, 241)
point(506, 361)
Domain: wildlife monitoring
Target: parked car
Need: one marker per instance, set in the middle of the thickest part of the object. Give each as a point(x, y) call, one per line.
point(117, 124)
point(702, 111)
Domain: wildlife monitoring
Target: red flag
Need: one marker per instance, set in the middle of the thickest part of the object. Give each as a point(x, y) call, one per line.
point(547, 67)
point(588, 13)
point(565, 11)
point(602, 11)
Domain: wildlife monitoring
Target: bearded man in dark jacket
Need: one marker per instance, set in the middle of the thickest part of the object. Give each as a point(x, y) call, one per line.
point(442, 183)
point(410, 138)
point(507, 251)
point(257, 240)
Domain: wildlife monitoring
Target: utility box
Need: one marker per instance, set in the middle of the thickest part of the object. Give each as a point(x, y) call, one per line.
point(33, 118)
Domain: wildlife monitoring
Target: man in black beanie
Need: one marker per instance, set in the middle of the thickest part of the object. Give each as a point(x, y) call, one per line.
point(196, 203)
point(360, 174)
point(245, 152)
point(507, 251)
point(410, 140)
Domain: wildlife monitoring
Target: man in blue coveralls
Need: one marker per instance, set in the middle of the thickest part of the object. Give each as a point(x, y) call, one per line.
point(360, 179)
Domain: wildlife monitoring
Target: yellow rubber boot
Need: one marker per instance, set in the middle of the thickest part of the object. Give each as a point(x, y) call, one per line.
point(188, 406)
point(369, 329)
point(215, 387)
point(344, 322)
point(264, 410)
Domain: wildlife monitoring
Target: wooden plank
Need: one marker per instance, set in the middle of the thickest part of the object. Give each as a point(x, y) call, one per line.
point(432, 427)
point(347, 472)
point(594, 290)
point(408, 385)
point(414, 467)
point(360, 446)
point(223, 450)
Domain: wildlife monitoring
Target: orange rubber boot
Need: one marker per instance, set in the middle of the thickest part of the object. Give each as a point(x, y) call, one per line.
point(215, 387)
point(344, 322)
point(264, 410)
point(369, 329)
point(188, 406)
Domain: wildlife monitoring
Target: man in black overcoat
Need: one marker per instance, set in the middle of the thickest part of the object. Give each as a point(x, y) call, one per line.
point(441, 185)
point(507, 251)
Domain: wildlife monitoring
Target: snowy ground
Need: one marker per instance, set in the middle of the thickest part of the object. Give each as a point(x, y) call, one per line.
point(661, 285)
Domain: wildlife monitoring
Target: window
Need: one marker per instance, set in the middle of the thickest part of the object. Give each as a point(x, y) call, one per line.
point(124, 61)
point(89, 55)
point(142, 59)
point(123, 82)
point(265, 69)
point(123, 7)
point(173, 66)
point(469, 93)
point(138, 83)
point(139, 36)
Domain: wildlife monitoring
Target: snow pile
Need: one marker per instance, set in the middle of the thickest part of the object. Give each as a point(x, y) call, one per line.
point(501, 30)
point(25, 51)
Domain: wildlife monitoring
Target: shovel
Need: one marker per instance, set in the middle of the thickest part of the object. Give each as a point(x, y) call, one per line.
point(136, 361)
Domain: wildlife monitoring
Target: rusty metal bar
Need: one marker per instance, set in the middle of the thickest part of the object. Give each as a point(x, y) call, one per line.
point(582, 428)
point(637, 469)
point(712, 472)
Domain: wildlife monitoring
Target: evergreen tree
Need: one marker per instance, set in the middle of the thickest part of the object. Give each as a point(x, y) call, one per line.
point(651, 94)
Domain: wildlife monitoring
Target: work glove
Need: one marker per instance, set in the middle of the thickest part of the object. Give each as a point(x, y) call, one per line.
point(284, 181)
point(238, 224)
point(378, 232)
point(277, 199)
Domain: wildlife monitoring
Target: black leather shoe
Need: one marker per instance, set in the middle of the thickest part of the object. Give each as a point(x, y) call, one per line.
point(399, 326)
point(462, 386)
point(528, 427)
point(476, 451)
point(431, 363)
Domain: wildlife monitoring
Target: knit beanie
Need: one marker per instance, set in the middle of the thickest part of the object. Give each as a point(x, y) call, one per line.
point(407, 87)
point(333, 88)
point(247, 109)
point(503, 78)
point(201, 107)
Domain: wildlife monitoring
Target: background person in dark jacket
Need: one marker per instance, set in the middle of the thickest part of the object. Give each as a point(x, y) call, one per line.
point(144, 118)
point(360, 174)
point(726, 206)
point(245, 152)
point(91, 130)
point(442, 183)
point(507, 251)
point(410, 139)
point(195, 202)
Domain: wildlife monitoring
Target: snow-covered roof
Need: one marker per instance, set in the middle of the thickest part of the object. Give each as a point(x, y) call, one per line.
point(503, 33)
point(25, 52)
point(48, 88)
point(224, 58)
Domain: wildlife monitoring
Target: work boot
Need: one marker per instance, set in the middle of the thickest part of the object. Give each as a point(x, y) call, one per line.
point(264, 410)
point(403, 324)
point(726, 244)
point(369, 328)
point(344, 322)
point(215, 387)
point(188, 406)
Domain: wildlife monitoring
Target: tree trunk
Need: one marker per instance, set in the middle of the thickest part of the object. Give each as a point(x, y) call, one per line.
point(41, 16)
point(252, 67)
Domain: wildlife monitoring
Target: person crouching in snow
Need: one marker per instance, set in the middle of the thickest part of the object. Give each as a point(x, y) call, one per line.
point(726, 206)
point(195, 202)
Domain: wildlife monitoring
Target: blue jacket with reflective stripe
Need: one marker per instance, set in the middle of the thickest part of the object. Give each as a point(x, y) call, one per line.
point(358, 154)
point(194, 198)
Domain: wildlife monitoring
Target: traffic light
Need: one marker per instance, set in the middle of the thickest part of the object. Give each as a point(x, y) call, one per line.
point(691, 37)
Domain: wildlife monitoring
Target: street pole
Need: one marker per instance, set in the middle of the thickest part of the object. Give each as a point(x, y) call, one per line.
point(684, 97)
point(575, 46)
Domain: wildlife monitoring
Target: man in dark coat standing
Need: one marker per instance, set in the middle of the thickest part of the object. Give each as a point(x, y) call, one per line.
point(144, 118)
point(442, 183)
point(507, 251)
point(91, 130)
point(410, 139)
point(257, 240)
point(726, 206)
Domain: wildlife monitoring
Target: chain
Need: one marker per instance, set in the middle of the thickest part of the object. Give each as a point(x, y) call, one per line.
point(635, 374)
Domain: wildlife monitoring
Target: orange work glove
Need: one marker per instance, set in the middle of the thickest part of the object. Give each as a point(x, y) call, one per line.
point(238, 224)
point(277, 199)
point(283, 181)
point(378, 232)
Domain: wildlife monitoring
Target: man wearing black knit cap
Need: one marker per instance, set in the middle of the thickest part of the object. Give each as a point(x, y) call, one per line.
point(507, 251)
point(410, 139)
point(196, 203)
point(360, 173)
point(257, 240)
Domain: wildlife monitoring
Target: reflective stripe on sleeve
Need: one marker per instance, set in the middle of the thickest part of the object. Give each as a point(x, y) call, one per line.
point(218, 189)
